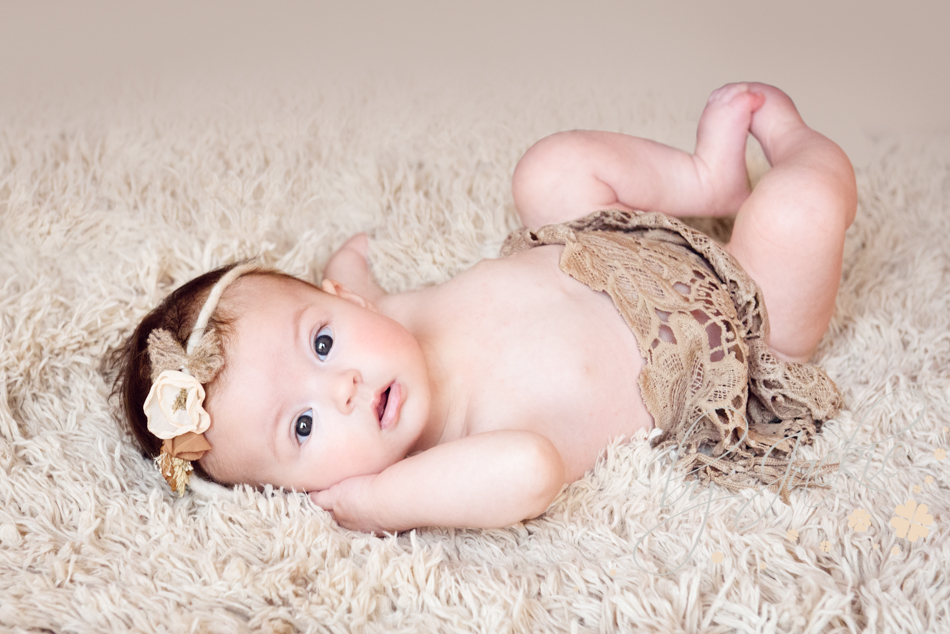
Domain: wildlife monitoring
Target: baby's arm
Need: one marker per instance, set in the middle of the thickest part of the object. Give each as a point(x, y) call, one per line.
point(486, 480)
point(349, 267)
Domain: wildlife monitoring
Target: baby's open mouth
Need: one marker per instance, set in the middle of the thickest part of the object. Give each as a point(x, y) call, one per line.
point(388, 404)
point(381, 405)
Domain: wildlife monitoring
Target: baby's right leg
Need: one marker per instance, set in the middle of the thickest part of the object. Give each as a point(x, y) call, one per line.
point(570, 174)
point(789, 234)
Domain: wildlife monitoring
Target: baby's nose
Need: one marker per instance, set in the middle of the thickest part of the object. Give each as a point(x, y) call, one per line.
point(344, 390)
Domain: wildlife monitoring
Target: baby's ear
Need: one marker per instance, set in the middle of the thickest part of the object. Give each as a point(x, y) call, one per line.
point(335, 288)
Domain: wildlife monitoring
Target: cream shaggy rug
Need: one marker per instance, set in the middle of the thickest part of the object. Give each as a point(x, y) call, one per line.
point(109, 202)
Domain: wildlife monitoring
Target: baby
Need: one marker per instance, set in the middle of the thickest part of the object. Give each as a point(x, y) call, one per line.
point(472, 403)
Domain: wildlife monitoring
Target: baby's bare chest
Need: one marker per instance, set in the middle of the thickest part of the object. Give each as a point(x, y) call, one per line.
point(541, 351)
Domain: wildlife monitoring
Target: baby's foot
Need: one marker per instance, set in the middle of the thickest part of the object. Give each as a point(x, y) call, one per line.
point(720, 146)
point(777, 124)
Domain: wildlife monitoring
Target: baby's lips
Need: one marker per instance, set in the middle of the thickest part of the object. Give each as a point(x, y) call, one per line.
point(393, 405)
point(375, 404)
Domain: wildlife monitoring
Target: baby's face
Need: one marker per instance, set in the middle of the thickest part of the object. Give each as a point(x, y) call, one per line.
point(317, 388)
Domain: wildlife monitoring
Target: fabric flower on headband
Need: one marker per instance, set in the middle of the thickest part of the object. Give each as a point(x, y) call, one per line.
point(174, 406)
point(175, 414)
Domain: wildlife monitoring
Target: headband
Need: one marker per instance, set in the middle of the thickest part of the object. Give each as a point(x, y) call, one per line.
point(174, 406)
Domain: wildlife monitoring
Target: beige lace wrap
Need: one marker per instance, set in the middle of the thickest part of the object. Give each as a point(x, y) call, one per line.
point(715, 390)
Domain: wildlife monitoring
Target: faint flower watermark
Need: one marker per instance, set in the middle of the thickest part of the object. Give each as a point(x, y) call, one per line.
point(911, 520)
point(859, 520)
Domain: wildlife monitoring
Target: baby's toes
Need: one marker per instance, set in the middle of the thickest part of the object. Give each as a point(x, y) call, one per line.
point(727, 117)
point(737, 99)
point(777, 114)
point(728, 92)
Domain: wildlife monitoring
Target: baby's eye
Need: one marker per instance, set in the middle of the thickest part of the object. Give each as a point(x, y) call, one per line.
point(323, 342)
point(303, 426)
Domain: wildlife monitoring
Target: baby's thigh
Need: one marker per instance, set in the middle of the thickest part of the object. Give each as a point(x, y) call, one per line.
point(566, 176)
point(794, 253)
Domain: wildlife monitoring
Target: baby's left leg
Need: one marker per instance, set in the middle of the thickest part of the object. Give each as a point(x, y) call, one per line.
point(570, 174)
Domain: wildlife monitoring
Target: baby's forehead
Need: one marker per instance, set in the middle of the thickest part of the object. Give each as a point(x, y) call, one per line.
point(260, 300)
point(264, 283)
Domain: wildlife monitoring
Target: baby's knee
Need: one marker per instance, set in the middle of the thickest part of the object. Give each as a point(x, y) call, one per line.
point(556, 152)
point(549, 161)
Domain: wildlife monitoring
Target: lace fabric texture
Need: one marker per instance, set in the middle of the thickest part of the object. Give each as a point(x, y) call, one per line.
point(733, 409)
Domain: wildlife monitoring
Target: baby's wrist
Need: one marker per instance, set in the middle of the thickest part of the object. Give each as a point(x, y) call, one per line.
point(376, 508)
point(381, 508)
point(357, 506)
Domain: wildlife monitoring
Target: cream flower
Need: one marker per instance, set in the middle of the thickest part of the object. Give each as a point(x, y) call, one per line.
point(174, 405)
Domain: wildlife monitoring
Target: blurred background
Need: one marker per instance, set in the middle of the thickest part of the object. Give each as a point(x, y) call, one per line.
point(859, 70)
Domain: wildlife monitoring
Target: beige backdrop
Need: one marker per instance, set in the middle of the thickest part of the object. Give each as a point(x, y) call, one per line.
point(858, 69)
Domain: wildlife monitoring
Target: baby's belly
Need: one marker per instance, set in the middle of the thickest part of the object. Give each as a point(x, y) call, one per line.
point(572, 374)
point(596, 401)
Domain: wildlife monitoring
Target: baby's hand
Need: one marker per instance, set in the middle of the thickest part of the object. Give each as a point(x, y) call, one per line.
point(348, 264)
point(350, 503)
point(349, 267)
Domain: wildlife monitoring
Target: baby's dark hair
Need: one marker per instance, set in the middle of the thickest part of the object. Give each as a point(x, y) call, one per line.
point(177, 314)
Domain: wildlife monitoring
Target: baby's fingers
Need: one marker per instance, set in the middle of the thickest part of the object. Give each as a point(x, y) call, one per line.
point(322, 499)
point(359, 242)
